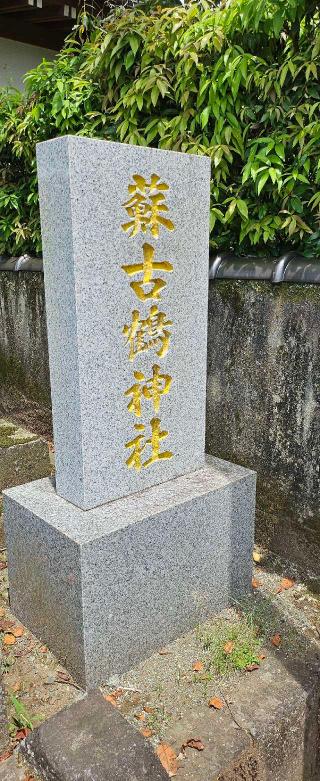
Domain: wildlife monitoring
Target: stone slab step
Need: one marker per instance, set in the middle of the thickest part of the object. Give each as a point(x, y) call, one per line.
point(11, 770)
point(91, 741)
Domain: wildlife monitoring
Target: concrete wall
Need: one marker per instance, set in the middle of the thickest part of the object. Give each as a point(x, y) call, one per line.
point(23, 335)
point(17, 58)
point(263, 398)
point(263, 403)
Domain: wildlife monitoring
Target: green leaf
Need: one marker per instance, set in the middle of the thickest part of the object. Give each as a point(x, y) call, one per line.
point(204, 116)
point(154, 95)
point(242, 208)
point(277, 23)
point(279, 148)
point(129, 60)
point(134, 43)
point(262, 181)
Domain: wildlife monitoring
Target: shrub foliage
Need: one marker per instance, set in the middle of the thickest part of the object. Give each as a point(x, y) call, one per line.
point(237, 81)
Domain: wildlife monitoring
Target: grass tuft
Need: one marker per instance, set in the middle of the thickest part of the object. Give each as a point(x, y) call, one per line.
point(232, 645)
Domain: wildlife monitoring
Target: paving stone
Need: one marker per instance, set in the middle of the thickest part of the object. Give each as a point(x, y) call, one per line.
point(91, 741)
point(11, 770)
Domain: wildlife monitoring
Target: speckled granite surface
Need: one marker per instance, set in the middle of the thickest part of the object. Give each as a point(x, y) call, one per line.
point(133, 574)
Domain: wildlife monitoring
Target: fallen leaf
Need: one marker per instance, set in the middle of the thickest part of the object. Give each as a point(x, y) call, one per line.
point(21, 734)
point(197, 667)
point(164, 652)
point(148, 709)
point(62, 676)
point(228, 647)
point(2, 612)
point(3, 565)
point(17, 631)
point(110, 698)
point(43, 649)
point(9, 639)
point(215, 703)
point(117, 693)
point(168, 759)
point(262, 656)
point(276, 640)
point(195, 743)
point(113, 696)
point(5, 755)
point(140, 716)
point(146, 732)
point(16, 686)
point(257, 557)
point(256, 583)
point(250, 667)
point(6, 626)
point(285, 584)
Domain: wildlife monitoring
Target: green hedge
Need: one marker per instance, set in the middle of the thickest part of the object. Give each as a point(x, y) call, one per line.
point(238, 82)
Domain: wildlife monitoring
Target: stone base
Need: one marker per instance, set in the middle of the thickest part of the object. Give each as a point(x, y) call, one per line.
point(104, 588)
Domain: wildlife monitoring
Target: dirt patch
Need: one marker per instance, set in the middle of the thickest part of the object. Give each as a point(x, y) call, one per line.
point(31, 415)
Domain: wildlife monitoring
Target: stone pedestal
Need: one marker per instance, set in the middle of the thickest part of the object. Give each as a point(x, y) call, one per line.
point(104, 588)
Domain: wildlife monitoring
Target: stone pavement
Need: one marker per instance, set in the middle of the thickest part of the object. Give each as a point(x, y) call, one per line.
point(12, 770)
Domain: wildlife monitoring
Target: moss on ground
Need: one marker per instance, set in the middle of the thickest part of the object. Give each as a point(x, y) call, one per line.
point(8, 438)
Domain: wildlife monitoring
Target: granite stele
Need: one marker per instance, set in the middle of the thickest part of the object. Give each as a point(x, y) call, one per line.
point(141, 536)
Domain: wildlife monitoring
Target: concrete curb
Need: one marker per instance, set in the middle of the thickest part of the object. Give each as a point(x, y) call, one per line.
point(4, 736)
point(91, 741)
point(268, 729)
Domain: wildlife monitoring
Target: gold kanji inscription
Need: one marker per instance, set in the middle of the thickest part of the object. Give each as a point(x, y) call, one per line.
point(146, 206)
point(158, 385)
point(151, 332)
point(139, 445)
point(146, 267)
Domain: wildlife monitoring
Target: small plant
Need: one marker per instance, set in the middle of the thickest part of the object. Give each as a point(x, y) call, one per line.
point(232, 645)
point(21, 719)
point(158, 720)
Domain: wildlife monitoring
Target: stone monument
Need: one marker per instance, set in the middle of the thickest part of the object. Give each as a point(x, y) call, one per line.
point(141, 536)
